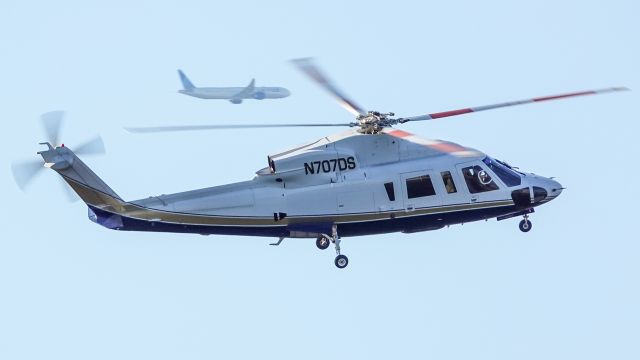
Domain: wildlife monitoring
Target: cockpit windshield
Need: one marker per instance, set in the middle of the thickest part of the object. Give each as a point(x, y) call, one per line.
point(509, 176)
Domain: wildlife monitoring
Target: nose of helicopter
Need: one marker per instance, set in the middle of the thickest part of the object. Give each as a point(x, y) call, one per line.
point(546, 189)
point(554, 188)
point(539, 190)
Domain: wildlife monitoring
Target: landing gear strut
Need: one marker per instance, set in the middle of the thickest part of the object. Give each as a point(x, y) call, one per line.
point(525, 224)
point(341, 261)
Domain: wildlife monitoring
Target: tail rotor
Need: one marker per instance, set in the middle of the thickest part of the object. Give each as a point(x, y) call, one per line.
point(24, 172)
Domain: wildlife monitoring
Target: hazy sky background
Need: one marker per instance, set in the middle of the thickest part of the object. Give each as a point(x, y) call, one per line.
point(568, 289)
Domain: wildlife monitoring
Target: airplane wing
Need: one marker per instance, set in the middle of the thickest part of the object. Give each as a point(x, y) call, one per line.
point(246, 92)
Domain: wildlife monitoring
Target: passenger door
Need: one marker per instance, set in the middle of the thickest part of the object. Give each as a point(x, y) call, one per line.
point(453, 187)
point(419, 191)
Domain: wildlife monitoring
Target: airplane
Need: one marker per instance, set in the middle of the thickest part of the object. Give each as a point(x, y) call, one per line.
point(235, 95)
point(371, 179)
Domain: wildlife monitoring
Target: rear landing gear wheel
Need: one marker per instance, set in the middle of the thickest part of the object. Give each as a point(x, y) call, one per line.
point(341, 261)
point(525, 225)
point(322, 242)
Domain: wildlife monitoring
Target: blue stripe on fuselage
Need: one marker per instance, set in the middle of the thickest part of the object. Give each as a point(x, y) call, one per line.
point(402, 224)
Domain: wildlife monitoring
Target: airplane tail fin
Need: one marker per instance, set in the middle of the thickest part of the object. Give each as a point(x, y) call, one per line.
point(91, 189)
point(186, 83)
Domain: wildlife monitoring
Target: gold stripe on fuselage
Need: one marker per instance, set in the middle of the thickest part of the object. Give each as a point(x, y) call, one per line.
point(108, 203)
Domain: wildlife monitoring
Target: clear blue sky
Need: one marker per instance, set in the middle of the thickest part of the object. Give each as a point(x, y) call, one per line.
point(568, 289)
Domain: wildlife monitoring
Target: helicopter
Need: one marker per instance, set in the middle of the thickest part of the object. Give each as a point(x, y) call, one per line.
point(371, 179)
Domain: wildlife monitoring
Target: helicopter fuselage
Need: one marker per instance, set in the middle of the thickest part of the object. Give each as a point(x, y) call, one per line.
point(351, 183)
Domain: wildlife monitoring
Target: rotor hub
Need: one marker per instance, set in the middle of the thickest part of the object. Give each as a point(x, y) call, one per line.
point(374, 121)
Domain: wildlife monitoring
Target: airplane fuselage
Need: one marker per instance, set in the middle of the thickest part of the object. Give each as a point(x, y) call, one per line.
point(231, 93)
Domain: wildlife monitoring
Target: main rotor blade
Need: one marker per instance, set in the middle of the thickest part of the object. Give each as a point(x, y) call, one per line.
point(140, 130)
point(307, 66)
point(94, 146)
point(52, 121)
point(506, 104)
point(25, 172)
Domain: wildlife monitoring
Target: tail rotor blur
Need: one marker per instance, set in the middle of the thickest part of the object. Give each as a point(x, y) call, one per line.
point(94, 146)
point(52, 123)
point(24, 172)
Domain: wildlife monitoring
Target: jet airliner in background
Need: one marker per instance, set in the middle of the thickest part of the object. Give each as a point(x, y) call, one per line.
point(234, 94)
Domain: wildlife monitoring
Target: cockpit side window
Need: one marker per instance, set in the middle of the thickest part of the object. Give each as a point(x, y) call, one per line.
point(478, 180)
point(507, 175)
point(447, 179)
point(420, 186)
point(390, 192)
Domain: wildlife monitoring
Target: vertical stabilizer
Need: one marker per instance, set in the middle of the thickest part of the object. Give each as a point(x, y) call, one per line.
point(91, 189)
point(186, 83)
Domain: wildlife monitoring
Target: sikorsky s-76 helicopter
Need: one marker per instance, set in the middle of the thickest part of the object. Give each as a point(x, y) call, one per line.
point(371, 179)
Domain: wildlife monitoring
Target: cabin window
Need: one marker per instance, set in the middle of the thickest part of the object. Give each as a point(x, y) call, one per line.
point(447, 179)
point(478, 180)
point(420, 186)
point(504, 172)
point(390, 192)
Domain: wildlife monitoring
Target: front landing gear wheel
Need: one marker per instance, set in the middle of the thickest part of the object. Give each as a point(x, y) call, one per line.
point(322, 242)
point(525, 225)
point(342, 261)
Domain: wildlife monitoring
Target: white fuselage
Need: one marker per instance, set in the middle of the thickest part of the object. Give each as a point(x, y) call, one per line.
point(232, 93)
point(354, 178)
point(350, 183)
